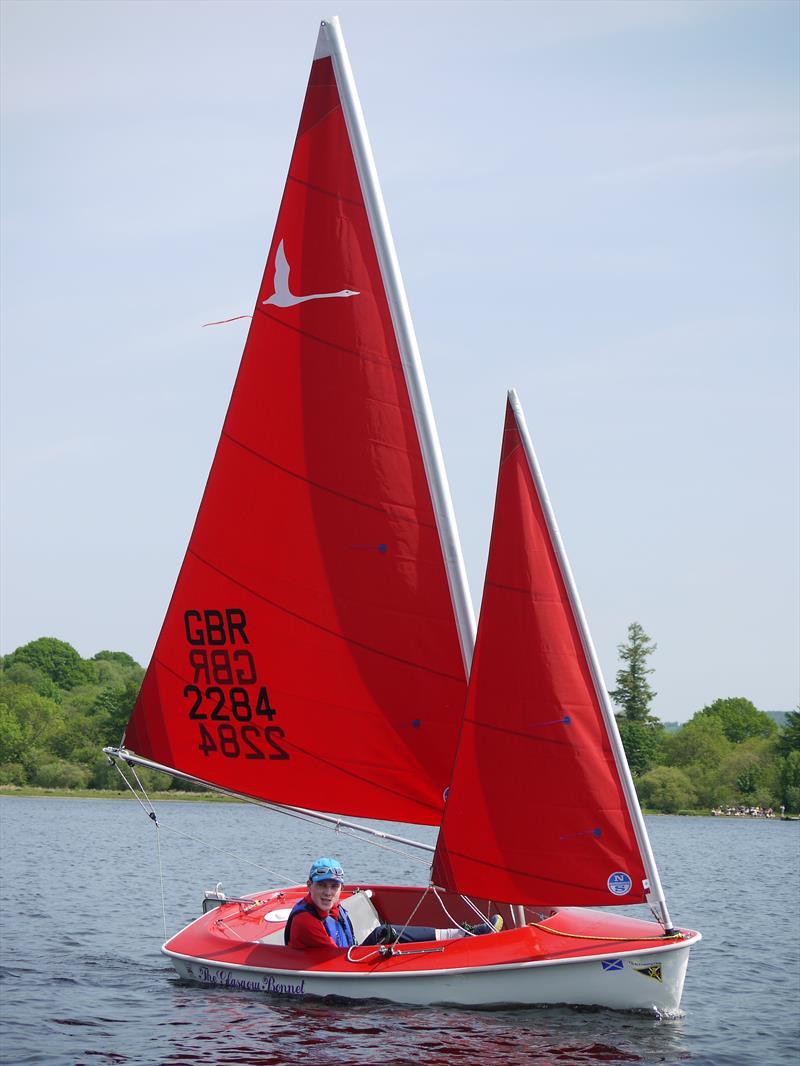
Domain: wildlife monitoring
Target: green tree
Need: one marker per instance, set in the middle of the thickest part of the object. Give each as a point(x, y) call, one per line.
point(790, 781)
point(22, 673)
point(633, 695)
point(747, 774)
point(75, 738)
point(666, 788)
point(790, 736)
point(55, 658)
point(13, 773)
point(701, 741)
point(12, 736)
point(52, 772)
point(642, 743)
point(58, 710)
point(111, 710)
point(740, 719)
point(35, 715)
point(711, 785)
point(700, 748)
point(121, 657)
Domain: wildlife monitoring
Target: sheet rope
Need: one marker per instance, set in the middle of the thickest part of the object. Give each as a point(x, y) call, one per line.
point(607, 939)
point(456, 925)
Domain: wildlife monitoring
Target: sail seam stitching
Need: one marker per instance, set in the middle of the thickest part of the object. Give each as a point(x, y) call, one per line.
point(326, 192)
point(322, 628)
point(515, 732)
point(526, 591)
point(530, 876)
point(376, 358)
point(379, 509)
point(320, 118)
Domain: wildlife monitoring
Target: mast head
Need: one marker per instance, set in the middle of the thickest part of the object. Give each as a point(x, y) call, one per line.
point(328, 28)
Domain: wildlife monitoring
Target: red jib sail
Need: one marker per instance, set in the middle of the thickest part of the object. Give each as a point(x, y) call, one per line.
point(536, 812)
point(310, 654)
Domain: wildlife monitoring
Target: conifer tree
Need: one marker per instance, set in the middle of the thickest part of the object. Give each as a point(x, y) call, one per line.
point(633, 695)
point(790, 738)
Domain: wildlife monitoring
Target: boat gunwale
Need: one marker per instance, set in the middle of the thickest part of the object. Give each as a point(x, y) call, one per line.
point(675, 945)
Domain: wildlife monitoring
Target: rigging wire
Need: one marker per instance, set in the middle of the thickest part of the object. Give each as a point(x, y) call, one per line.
point(232, 854)
point(337, 828)
point(212, 847)
point(152, 815)
point(161, 881)
point(457, 925)
point(408, 919)
point(281, 875)
point(317, 816)
point(344, 830)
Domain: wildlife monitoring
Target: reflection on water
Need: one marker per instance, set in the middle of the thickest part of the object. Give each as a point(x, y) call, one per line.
point(83, 980)
point(243, 1030)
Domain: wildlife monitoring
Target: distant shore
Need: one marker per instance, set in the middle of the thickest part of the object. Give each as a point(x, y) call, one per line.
point(29, 791)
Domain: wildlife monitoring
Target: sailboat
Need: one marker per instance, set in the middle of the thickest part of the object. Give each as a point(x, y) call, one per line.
point(319, 650)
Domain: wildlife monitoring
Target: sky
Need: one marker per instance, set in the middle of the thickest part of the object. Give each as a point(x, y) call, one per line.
point(593, 203)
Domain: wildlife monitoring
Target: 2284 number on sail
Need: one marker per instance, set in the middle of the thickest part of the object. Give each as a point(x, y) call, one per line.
point(249, 742)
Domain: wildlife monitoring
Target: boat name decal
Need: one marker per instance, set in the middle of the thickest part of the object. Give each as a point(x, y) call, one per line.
point(619, 883)
point(224, 697)
point(266, 983)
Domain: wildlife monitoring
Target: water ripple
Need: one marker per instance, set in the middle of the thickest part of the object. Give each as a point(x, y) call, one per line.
point(96, 990)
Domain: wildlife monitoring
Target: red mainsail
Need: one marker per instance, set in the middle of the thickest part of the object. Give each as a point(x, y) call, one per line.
point(310, 653)
point(536, 812)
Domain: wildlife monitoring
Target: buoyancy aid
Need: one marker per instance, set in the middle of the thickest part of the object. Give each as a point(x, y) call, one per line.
point(340, 932)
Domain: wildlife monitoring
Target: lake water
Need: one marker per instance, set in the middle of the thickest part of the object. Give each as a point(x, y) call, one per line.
point(83, 981)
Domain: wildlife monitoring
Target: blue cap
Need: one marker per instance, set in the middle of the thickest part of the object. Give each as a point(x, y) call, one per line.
point(326, 870)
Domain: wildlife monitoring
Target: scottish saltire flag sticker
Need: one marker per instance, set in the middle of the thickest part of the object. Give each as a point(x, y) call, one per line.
point(619, 884)
point(612, 964)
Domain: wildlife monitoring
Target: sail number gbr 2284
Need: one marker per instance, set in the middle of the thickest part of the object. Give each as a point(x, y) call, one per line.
point(233, 714)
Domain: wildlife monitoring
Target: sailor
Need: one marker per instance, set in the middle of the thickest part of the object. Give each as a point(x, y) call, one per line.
point(319, 920)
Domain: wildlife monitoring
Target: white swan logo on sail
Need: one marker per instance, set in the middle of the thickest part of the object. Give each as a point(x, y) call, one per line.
point(283, 296)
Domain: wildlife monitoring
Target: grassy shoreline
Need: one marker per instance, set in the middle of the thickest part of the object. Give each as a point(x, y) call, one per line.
point(29, 791)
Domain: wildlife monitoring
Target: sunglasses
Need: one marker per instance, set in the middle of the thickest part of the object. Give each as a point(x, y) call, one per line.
point(325, 873)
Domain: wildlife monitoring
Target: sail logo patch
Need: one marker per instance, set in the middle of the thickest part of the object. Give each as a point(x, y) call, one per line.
point(619, 883)
point(283, 295)
point(611, 965)
point(653, 971)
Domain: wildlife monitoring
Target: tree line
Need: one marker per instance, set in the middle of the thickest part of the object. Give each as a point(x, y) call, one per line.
point(729, 753)
point(58, 710)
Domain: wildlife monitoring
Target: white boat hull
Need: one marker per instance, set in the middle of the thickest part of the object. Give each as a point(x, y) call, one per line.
point(651, 980)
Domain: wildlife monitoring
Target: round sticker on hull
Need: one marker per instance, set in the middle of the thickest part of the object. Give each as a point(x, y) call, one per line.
point(619, 884)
